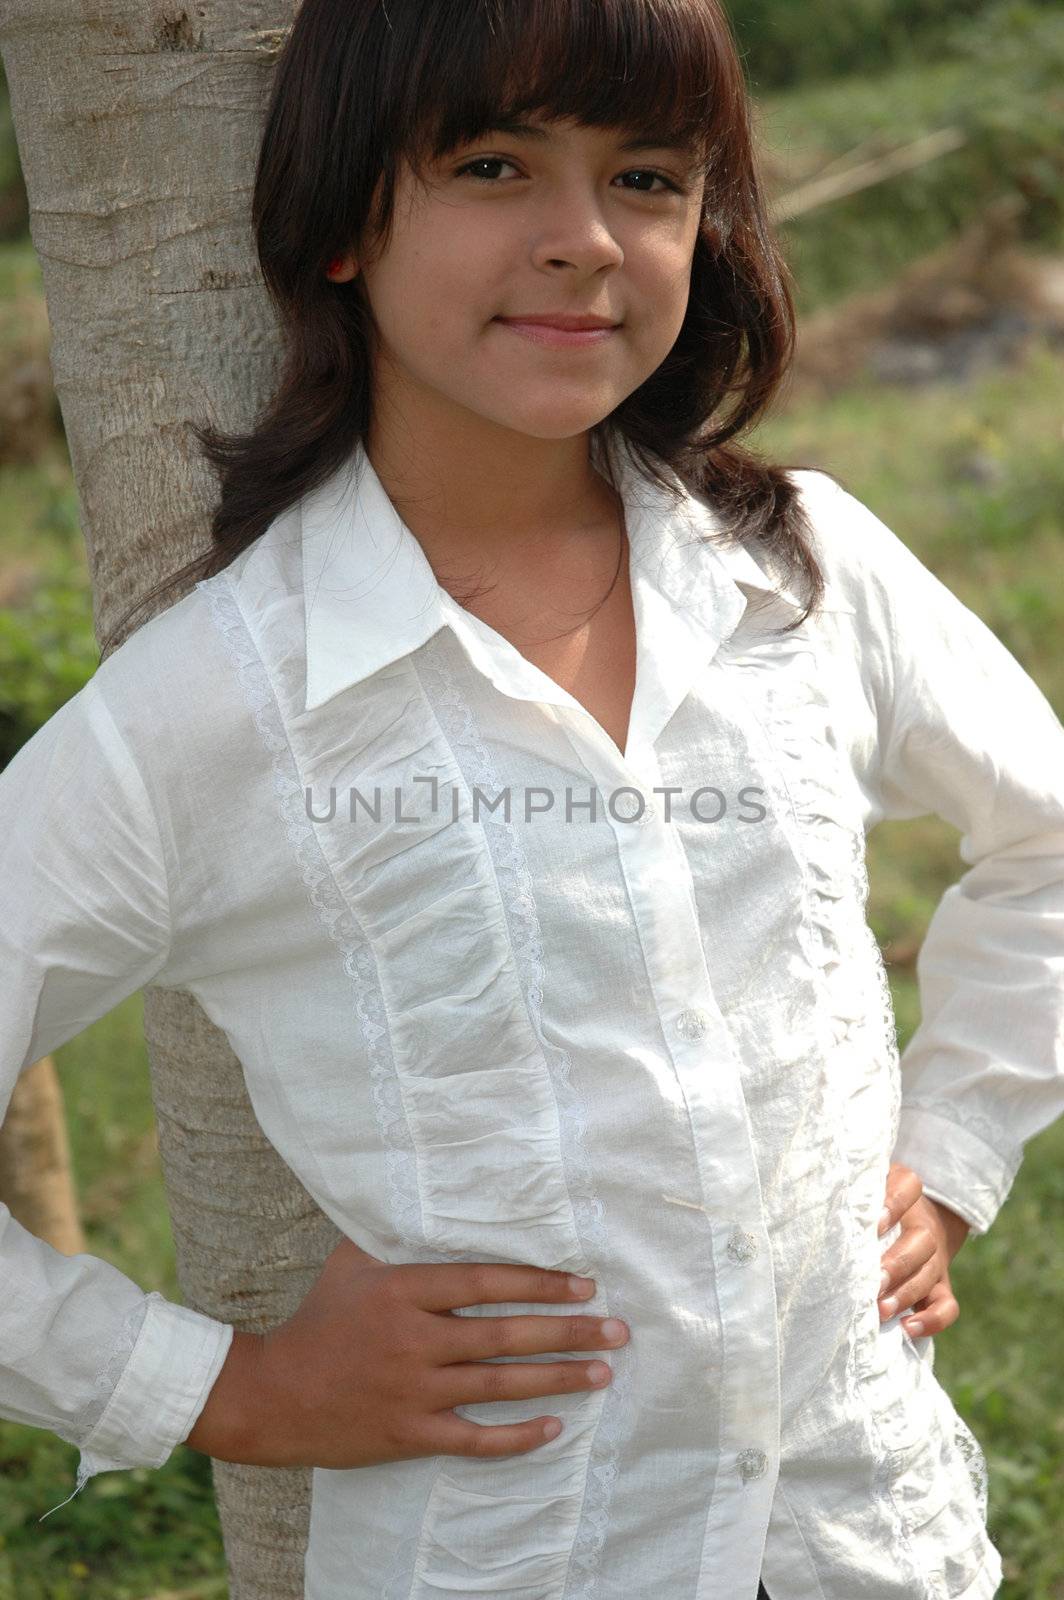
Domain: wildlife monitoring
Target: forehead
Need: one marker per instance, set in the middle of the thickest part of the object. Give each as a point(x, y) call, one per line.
point(543, 131)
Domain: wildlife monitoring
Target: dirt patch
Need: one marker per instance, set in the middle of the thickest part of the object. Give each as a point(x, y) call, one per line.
point(976, 303)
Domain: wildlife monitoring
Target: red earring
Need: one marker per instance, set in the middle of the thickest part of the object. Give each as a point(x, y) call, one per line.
point(334, 265)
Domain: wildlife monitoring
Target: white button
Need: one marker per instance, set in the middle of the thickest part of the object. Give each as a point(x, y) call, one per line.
point(692, 1024)
point(752, 1464)
point(742, 1247)
point(625, 805)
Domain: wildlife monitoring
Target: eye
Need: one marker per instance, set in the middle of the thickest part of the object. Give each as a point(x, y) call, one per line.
point(499, 161)
point(482, 161)
point(647, 172)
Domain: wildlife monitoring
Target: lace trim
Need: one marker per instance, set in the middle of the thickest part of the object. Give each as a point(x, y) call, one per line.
point(104, 1385)
point(974, 1122)
point(358, 960)
point(107, 1381)
point(975, 1460)
point(515, 880)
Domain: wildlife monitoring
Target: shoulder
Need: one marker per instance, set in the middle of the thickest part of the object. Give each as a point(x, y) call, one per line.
point(862, 558)
point(172, 691)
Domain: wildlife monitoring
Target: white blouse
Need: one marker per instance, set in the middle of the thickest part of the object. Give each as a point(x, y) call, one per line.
point(503, 994)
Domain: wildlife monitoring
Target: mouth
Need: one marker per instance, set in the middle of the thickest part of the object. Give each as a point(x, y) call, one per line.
point(564, 320)
point(561, 332)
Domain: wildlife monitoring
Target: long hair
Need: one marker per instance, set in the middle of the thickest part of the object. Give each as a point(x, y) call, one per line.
point(361, 85)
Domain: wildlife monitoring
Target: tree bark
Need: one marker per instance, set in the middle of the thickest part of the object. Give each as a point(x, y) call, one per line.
point(138, 127)
point(36, 1181)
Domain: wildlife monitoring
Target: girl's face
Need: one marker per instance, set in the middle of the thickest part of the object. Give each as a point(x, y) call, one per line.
point(515, 224)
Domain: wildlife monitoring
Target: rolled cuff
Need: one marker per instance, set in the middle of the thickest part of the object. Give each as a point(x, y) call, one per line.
point(954, 1161)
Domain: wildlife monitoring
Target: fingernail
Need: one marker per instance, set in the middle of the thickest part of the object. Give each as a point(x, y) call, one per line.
point(884, 1280)
point(889, 1306)
point(612, 1329)
point(884, 1219)
point(915, 1328)
point(582, 1286)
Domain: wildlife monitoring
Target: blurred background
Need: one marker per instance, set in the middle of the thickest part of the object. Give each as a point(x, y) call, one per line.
point(914, 152)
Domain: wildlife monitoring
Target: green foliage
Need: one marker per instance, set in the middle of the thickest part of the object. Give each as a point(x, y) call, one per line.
point(48, 652)
point(786, 44)
point(1002, 85)
point(1015, 51)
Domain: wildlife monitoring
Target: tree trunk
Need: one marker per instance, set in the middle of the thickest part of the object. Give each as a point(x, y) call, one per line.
point(36, 1182)
point(138, 128)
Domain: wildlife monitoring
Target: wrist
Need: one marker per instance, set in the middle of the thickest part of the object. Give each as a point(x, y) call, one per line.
point(957, 1228)
point(226, 1426)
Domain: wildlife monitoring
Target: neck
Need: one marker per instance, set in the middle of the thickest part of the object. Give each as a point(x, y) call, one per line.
point(495, 496)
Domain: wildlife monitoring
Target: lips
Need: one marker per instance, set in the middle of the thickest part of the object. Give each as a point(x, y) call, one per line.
point(563, 321)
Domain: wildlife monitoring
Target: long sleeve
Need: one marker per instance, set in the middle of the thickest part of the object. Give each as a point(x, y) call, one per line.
point(85, 922)
point(969, 736)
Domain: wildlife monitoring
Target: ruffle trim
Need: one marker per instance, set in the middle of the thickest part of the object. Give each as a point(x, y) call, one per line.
point(843, 946)
point(790, 700)
point(797, 713)
point(516, 884)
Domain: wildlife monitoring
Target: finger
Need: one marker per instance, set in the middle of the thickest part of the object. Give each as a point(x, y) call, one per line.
point(904, 1188)
point(906, 1294)
point(906, 1256)
point(472, 1383)
point(444, 1433)
point(454, 1339)
point(937, 1311)
point(442, 1288)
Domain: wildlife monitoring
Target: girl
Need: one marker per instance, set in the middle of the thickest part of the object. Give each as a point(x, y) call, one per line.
point(522, 732)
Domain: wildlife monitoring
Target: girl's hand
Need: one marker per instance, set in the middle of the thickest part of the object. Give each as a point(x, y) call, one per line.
point(916, 1266)
point(371, 1365)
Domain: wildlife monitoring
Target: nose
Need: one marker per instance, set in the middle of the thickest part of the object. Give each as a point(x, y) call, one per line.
point(573, 231)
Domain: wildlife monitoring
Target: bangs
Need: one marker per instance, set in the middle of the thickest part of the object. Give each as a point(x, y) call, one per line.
point(649, 66)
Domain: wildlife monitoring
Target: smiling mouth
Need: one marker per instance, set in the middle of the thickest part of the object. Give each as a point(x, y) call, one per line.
point(570, 322)
point(548, 333)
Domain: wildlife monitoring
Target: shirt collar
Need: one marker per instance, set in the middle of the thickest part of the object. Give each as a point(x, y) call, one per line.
point(371, 596)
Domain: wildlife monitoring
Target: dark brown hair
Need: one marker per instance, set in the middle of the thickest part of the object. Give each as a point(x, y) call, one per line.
point(361, 85)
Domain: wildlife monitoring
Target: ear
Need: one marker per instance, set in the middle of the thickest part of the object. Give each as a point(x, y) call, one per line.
point(342, 269)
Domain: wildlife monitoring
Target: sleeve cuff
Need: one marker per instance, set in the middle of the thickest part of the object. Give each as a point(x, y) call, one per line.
point(163, 1388)
point(949, 1151)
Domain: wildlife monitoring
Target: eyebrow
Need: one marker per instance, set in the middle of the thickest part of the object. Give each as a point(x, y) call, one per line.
point(644, 139)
